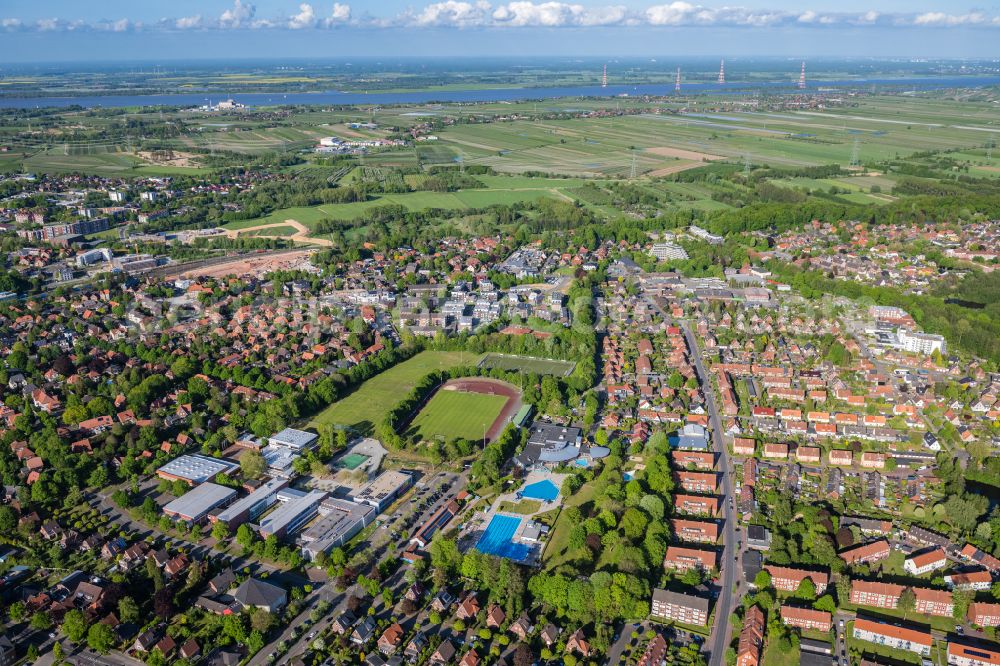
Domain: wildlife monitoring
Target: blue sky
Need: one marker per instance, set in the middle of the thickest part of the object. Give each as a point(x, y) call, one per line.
point(52, 30)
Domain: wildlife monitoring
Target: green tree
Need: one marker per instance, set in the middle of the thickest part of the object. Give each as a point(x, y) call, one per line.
point(806, 590)
point(17, 611)
point(762, 580)
point(907, 602)
point(74, 625)
point(252, 464)
point(220, 531)
point(128, 610)
point(40, 621)
point(100, 638)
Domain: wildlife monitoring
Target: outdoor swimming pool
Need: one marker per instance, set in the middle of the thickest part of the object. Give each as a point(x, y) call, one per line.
point(541, 490)
point(496, 540)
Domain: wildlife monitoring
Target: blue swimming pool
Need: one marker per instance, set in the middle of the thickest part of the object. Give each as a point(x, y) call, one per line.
point(496, 540)
point(541, 490)
point(628, 476)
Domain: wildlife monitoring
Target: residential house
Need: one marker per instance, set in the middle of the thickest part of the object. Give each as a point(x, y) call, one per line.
point(867, 553)
point(806, 618)
point(893, 636)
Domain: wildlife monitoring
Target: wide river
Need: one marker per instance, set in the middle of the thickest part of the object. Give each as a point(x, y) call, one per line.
point(486, 95)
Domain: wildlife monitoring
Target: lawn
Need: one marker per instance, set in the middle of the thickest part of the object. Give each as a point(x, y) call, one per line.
point(557, 551)
point(369, 404)
point(524, 507)
point(775, 657)
point(454, 415)
point(540, 366)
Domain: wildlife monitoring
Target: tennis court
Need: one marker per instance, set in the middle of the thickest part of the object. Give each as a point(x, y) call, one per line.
point(496, 540)
point(352, 461)
point(541, 490)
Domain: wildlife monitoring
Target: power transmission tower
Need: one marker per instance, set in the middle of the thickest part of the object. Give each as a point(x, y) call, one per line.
point(746, 165)
point(632, 173)
point(989, 148)
point(856, 153)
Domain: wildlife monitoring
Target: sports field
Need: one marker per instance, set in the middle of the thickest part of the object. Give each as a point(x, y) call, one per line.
point(352, 461)
point(539, 366)
point(458, 415)
point(369, 404)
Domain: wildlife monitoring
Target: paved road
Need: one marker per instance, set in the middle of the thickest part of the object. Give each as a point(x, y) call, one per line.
point(619, 646)
point(729, 569)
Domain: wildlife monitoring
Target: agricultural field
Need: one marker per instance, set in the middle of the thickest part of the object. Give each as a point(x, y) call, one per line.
point(538, 366)
point(370, 402)
point(453, 415)
point(664, 143)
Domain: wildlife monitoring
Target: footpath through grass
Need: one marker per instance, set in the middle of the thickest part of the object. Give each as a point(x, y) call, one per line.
point(370, 402)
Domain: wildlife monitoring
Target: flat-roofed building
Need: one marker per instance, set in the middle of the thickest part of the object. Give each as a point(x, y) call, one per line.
point(960, 654)
point(292, 516)
point(194, 469)
point(297, 440)
point(701, 531)
point(890, 635)
point(195, 505)
point(249, 508)
point(806, 618)
point(340, 521)
point(381, 492)
point(685, 608)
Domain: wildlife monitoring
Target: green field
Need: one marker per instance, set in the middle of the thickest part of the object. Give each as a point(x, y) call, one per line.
point(453, 415)
point(499, 190)
point(539, 366)
point(369, 404)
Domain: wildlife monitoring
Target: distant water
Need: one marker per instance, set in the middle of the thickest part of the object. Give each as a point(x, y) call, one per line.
point(489, 95)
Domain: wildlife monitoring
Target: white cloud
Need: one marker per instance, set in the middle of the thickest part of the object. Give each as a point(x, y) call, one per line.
point(189, 22)
point(557, 14)
point(940, 18)
point(306, 18)
point(452, 13)
point(528, 14)
point(675, 13)
point(241, 15)
point(341, 13)
point(121, 25)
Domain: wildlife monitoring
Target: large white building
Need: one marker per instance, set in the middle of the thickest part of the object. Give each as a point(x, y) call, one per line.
point(920, 343)
point(668, 251)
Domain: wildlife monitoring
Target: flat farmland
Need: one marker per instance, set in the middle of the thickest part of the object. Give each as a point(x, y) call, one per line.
point(457, 415)
point(370, 402)
point(667, 143)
